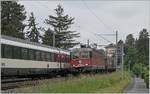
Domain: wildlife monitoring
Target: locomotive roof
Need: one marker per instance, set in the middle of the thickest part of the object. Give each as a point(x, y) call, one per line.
point(88, 49)
point(4, 38)
point(82, 49)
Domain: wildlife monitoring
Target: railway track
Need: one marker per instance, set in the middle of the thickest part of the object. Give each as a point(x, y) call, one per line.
point(14, 80)
point(9, 84)
point(18, 83)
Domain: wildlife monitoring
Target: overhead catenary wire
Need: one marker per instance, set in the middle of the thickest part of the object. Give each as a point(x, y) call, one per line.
point(99, 20)
point(44, 5)
point(104, 38)
point(89, 11)
point(107, 34)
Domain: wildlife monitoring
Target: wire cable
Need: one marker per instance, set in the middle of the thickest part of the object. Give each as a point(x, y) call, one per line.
point(100, 20)
point(104, 38)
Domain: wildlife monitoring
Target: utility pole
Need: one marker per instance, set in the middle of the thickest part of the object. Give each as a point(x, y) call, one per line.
point(122, 54)
point(116, 49)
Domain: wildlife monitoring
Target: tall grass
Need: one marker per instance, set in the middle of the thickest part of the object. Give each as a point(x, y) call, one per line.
point(85, 83)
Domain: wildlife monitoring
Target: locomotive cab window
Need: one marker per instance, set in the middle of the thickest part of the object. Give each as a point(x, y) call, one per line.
point(90, 54)
point(85, 54)
point(74, 55)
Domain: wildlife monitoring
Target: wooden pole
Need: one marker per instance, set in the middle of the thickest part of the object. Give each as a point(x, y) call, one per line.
point(116, 49)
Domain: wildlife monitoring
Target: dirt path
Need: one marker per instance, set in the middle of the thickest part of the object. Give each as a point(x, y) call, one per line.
point(138, 86)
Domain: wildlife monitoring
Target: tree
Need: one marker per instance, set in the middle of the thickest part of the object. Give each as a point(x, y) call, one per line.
point(131, 58)
point(137, 69)
point(12, 17)
point(48, 37)
point(129, 42)
point(33, 33)
point(137, 56)
point(64, 37)
point(146, 76)
point(142, 46)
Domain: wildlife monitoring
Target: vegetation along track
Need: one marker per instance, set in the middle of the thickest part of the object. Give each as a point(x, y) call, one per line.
point(7, 84)
point(24, 82)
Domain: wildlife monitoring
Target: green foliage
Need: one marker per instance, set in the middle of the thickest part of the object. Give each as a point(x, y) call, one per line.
point(137, 69)
point(145, 76)
point(142, 46)
point(33, 33)
point(129, 42)
point(146, 79)
point(131, 58)
point(12, 17)
point(64, 37)
point(48, 37)
point(86, 84)
point(137, 57)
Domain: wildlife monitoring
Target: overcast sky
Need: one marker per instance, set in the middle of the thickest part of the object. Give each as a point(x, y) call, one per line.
point(97, 17)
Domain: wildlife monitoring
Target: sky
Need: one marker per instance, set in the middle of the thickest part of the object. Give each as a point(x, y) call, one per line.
point(97, 17)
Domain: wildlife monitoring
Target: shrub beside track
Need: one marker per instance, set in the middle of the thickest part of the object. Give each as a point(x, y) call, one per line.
point(112, 82)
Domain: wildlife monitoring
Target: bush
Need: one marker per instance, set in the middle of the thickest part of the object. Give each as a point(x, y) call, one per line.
point(142, 76)
point(92, 83)
point(143, 72)
point(146, 77)
point(137, 69)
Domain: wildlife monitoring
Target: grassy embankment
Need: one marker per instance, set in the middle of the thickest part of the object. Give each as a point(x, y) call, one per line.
point(84, 84)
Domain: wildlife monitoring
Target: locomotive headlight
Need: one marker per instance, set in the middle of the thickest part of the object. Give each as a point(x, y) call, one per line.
point(86, 64)
point(73, 65)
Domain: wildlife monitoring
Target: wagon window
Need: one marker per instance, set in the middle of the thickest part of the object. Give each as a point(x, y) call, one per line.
point(2, 50)
point(38, 55)
point(7, 51)
point(49, 56)
point(16, 52)
point(52, 57)
point(24, 52)
point(43, 58)
point(32, 54)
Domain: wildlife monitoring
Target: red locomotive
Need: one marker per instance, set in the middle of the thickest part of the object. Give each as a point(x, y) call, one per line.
point(87, 58)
